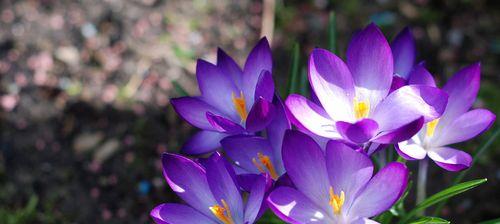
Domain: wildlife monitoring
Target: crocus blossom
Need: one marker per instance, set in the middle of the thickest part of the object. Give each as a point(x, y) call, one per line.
point(254, 154)
point(404, 52)
point(211, 193)
point(355, 102)
point(335, 186)
point(233, 101)
point(457, 124)
point(405, 70)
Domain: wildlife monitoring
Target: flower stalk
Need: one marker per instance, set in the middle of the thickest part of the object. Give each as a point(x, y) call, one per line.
point(423, 166)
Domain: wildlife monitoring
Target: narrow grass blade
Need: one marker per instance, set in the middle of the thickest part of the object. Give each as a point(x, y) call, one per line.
point(475, 157)
point(430, 220)
point(179, 89)
point(443, 195)
point(293, 81)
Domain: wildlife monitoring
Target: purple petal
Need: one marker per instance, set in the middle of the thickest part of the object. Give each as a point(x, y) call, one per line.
point(223, 186)
point(217, 88)
point(404, 52)
point(311, 116)
point(284, 181)
point(462, 89)
point(349, 171)
point(421, 76)
point(203, 142)
point(246, 180)
point(188, 180)
point(255, 200)
point(276, 132)
point(193, 110)
point(301, 155)
point(261, 114)
point(265, 87)
point(229, 67)
point(397, 82)
point(407, 104)
point(259, 59)
point(332, 83)
point(359, 132)
point(293, 206)
point(322, 141)
point(465, 127)
point(375, 147)
point(410, 150)
point(369, 59)
point(170, 213)
point(400, 134)
point(383, 190)
point(243, 148)
point(450, 159)
point(222, 124)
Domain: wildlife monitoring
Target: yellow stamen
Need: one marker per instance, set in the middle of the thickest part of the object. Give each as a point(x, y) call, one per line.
point(222, 212)
point(361, 108)
point(431, 127)
point(240, 105)
point(336, 201)
point(265, 161)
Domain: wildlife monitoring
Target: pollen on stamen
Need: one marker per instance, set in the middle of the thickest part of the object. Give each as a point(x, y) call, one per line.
point(336, 201)
point(222, 212)
point(431, 127)
point(265, 162)
point(240, 105)
point(361, 108)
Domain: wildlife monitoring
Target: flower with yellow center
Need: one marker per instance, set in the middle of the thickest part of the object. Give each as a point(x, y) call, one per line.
point(264, 163)
point(222, 212)
point(240, 105)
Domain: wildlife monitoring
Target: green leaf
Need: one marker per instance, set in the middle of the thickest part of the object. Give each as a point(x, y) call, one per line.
point(443, 195)
point(493, 221)
point(477, 154)
point(430, 220)
point(179, 89)
point(304, 83)
point(332, 33)
point(269, 218)
point(293, 81)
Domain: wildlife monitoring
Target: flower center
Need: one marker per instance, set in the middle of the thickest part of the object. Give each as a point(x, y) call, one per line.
point(240, 105)
point(336, 201)
point(431, 127)
point(263, 163)
point(361, 108)
point(222, 212)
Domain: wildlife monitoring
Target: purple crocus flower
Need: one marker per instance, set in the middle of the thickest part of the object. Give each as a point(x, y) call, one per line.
point(404, 53)
point(457, 124)
point(355, 102)
point(232, 101)
point(211, 193)
point(255, 154)
point(335, 186)
point(405, 70)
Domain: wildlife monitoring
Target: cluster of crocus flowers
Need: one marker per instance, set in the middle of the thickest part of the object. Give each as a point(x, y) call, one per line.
point(322, 171)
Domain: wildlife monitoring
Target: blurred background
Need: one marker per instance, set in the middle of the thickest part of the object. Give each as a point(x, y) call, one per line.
point(85, 88)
